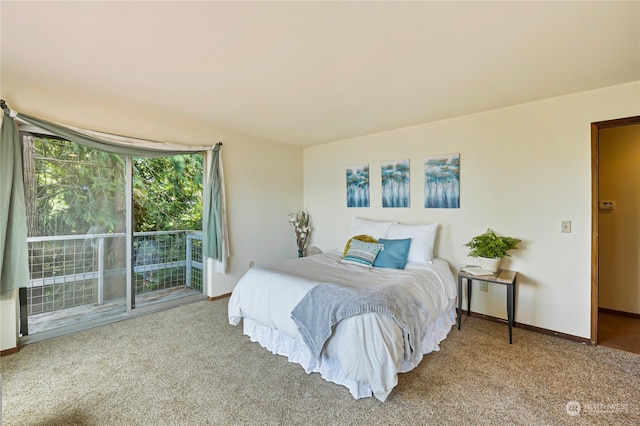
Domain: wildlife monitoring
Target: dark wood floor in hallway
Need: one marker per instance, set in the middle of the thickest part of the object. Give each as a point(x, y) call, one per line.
point(619, 331)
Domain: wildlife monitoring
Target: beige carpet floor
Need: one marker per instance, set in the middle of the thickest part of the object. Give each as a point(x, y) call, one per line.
point(188, 366)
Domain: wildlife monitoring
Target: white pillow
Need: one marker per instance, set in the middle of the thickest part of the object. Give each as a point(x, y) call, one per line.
point(374, 228)
point(423, 238)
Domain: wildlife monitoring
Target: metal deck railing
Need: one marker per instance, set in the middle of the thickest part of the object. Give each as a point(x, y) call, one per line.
point(75, 270)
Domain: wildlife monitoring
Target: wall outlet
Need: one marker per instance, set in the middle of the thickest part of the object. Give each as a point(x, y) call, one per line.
point(484, 286)
point(607, 205)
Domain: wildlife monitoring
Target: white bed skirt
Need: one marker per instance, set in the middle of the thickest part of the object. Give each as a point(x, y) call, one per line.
point(330, 368)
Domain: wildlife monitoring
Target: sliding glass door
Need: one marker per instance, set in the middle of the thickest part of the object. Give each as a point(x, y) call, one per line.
point(167, 223)
point(76, 220)
point(107, 234)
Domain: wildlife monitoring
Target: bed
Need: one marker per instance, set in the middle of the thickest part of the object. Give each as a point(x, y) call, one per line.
point(357, 325)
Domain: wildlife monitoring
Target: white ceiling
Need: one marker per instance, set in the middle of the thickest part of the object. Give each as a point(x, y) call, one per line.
point(306, 73)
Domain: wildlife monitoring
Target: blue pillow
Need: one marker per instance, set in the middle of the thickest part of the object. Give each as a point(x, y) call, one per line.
point(394, 254)
point(362, 253)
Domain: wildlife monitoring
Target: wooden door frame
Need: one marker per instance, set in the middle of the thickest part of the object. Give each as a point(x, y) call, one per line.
point(595, 180)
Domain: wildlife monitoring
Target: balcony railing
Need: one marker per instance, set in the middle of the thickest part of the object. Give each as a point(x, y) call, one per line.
point(75, 270)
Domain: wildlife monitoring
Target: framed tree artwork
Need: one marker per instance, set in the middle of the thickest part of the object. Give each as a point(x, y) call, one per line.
point(358, 186)
point(442, 182)
point(395, 183)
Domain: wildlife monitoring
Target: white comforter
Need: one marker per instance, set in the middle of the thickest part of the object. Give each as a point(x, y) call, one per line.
point(266, 295)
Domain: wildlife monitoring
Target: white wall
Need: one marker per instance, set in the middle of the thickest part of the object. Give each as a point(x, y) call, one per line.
point(263, 184)
point(263, 179)
point(619, 230)
point(524, 169)
point(9, 321)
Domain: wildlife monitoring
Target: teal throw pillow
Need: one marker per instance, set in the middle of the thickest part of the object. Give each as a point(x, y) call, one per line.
point(394, 254)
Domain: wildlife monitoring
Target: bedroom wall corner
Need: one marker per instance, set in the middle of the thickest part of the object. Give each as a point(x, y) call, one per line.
point(263, 184)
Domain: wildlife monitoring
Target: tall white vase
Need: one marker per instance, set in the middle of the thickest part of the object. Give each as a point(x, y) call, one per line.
point(490, 264)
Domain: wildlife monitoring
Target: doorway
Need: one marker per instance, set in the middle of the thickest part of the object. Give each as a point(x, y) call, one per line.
point(109, 236)
point(615, 274)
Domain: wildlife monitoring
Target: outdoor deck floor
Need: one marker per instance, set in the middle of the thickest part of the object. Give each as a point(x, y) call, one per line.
point(63, 317)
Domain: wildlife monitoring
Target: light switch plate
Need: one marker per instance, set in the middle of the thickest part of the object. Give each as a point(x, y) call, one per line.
point(566, 226)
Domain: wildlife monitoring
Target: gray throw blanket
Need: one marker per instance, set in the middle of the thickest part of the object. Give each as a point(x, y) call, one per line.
point(327, 304)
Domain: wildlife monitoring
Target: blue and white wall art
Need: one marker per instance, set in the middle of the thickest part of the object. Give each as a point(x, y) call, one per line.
point(358, 186)
point(395, 183)
point(442, 182)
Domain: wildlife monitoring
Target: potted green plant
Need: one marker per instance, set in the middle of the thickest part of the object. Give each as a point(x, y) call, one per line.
point(490, 248)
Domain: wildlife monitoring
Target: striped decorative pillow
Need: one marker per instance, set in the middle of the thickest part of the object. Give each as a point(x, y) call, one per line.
point(365, 238)
point(362, 253)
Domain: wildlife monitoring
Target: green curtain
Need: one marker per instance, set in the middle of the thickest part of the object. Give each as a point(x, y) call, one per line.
point(213, 238)
point(110, 143)
point(13, 240)
point(14, 260)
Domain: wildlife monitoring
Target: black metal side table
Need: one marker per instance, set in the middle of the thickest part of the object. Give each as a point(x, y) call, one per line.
point(503, 276)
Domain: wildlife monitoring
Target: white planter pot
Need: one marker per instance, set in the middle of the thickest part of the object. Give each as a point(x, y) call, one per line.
point(490, 264)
